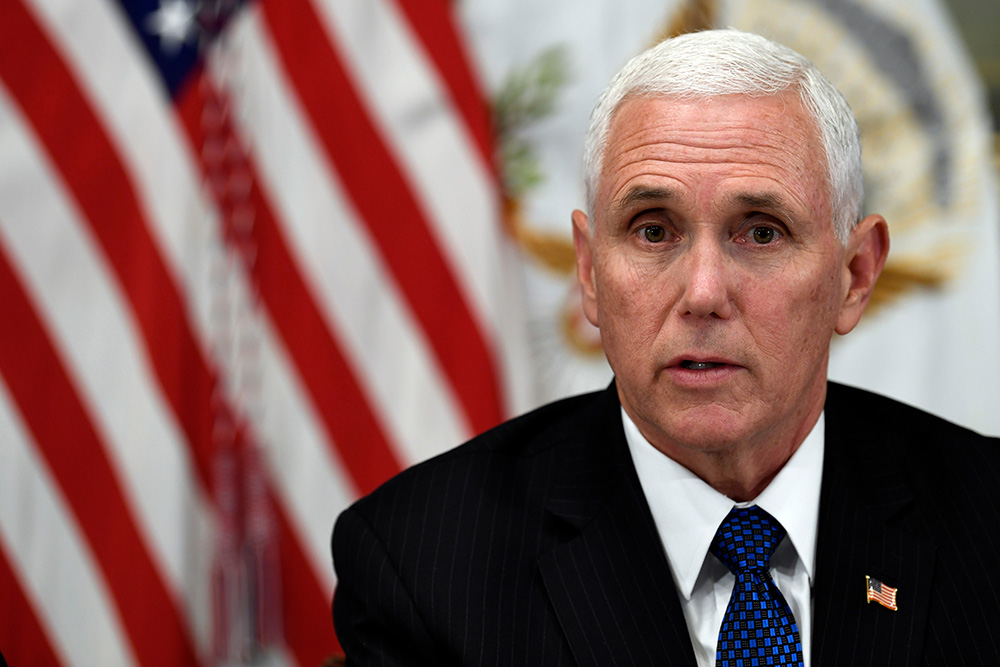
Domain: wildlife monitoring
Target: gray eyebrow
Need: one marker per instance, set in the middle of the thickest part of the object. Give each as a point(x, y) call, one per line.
point(762, 200)
point(767, 201)
point(642, 195)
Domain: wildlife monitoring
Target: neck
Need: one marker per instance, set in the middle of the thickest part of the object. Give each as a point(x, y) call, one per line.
point(741, 475)
point(742, 471)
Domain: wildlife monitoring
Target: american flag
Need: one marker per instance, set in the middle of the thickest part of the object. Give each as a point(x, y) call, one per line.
point(884, 595)
point(251, 265)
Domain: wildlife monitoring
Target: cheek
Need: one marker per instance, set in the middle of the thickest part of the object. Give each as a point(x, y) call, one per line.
point(631, 303)
point(824, 300)
point(793, 317)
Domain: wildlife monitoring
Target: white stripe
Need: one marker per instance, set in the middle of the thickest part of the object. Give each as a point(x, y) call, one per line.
point(82, 307)
point(119, 80)
point(151, 141)
point(361, 306)
point(311, 479)
point(410, 104)
point(50, 557)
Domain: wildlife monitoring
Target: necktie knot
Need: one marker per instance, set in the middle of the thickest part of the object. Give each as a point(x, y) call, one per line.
point(758, 627)
point(746, 539)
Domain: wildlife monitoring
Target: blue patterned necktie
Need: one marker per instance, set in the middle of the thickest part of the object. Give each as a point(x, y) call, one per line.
point(758, 628)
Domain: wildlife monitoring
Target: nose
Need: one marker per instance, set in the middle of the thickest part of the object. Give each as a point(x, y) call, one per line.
point(705, 282)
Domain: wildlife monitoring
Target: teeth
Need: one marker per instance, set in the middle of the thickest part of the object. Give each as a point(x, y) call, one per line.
point(699, 365)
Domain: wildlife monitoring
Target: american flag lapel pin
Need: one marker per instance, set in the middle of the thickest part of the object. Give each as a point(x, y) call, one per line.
point(884, 595)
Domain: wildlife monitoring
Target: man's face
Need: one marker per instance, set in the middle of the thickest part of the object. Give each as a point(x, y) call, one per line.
point(713, 270)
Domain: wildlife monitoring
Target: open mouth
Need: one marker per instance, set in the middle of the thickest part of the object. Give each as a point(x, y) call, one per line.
point(699, 365)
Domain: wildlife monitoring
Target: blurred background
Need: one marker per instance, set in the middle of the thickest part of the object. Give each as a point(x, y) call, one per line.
point(977, 21)
point(258, 256)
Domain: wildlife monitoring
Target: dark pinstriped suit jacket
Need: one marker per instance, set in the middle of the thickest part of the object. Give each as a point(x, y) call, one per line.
point(533, 545)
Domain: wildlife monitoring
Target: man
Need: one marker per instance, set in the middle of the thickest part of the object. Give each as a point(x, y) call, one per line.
point(721, 502)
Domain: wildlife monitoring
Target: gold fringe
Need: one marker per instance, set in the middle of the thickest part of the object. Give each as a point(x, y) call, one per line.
point(902, 277)
point(582, 337)
point(551, 251)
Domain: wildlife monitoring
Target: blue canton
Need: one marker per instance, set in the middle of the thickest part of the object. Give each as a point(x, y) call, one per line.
point(176, 33)
point(758, 628)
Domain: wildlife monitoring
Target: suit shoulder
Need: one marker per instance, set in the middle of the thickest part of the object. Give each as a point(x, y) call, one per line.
point(536, 430)
point(876, 411)
point(914, 438)
point(505, 451)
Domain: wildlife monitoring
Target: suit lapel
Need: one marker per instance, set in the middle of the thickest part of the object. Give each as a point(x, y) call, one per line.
point(610, 585)
point(609, 581)
point(863, 506)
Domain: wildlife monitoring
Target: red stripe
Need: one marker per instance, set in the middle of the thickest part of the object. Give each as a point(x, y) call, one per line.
point(319, 360)
point(77, 142)
point(74, 453)
point(80, 148)
point(22, 639)
point(388, 208)
point(306, 607)
point(433, 21)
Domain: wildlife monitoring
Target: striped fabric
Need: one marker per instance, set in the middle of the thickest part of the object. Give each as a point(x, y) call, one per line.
point(244, 249)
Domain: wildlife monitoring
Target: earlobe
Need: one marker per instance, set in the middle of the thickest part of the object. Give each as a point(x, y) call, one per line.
point(867, 250)
point(582, 243)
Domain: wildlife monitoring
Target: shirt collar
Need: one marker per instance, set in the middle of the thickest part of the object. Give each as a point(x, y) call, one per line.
point(687, 511)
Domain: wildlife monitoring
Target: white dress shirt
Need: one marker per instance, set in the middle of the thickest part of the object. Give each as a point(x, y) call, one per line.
point(687, 512)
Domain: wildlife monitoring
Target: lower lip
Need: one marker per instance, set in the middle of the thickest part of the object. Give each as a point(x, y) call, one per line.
point(709, 377)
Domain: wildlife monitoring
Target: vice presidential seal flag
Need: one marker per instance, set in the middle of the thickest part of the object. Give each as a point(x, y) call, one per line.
point(258, 256)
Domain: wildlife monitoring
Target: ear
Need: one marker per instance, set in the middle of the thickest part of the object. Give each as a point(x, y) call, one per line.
point(864, 258)
point(583, 244)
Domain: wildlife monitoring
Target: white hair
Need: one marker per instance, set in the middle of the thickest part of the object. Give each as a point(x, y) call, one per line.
point(725, 62)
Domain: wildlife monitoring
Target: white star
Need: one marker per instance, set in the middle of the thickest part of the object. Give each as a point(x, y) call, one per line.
point(175, 24)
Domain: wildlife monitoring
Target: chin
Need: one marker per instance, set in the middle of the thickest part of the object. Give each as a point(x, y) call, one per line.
point(705, 428)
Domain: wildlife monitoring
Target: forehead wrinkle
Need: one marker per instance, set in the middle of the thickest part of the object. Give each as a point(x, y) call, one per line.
point(665, 140)
point(708, 141)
